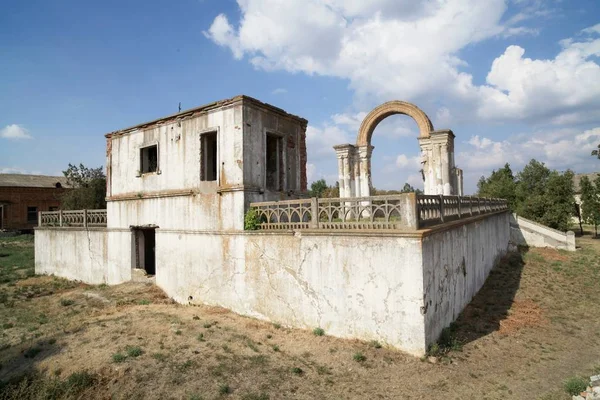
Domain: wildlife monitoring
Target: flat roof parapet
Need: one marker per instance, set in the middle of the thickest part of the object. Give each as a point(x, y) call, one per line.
point(208, 107)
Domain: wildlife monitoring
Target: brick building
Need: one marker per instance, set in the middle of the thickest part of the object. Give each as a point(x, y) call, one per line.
point(22, 196)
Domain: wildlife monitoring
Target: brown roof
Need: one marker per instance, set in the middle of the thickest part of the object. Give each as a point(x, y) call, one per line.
point(577, 180)
point(208, 107)
point(37, 181)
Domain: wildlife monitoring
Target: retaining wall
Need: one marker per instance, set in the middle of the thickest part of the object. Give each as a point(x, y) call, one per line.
point(525, 232)
point(400, 288)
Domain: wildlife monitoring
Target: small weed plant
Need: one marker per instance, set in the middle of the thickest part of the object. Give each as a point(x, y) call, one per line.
point(575, 385)
point(318, 331)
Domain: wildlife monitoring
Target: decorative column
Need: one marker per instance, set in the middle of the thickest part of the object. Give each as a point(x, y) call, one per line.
point(363, 183)
point(438, 162)
point(458, 185)
point(346, 155)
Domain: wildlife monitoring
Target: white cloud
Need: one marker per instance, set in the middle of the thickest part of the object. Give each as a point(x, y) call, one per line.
point(403, 161)
point(562, 149)
point(387, 47)
point(14, 132)
point(320, 141)
point(383, 47)
point(562, 90)
point(592, 29)
point(311, 169)
point(279, 91)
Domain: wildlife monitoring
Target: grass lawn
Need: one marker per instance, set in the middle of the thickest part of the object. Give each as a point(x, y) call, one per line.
point(531, 332)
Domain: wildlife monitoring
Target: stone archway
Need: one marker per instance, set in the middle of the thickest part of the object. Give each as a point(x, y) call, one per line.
point(390, 108)
point(440, 175)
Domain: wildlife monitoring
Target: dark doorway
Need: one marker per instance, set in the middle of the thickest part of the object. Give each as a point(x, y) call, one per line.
point(150, 259)
point(145, 243)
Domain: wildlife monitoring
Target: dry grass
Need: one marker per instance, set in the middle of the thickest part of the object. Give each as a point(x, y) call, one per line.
point(535, 323)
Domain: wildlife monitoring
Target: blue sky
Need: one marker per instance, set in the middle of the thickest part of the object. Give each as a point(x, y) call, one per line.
point(514, 79)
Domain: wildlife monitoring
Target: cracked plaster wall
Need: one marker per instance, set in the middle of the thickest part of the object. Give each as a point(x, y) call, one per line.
point(366, 286)
point(456, 263)
point(93, 256)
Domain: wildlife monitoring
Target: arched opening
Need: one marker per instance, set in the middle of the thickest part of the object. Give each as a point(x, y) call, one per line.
point(437, 154)
point(396, 156)
point(385, 110)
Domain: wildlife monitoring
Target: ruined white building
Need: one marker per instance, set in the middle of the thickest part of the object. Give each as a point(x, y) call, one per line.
point(397, 269)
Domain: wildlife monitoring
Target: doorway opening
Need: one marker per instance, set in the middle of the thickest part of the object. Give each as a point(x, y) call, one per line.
point(145, 243)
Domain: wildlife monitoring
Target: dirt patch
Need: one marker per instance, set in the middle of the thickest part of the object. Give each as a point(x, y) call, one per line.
point(522, 314)
point(528, 329)
point(552, 254)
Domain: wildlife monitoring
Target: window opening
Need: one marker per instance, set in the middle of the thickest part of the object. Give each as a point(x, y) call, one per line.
point(208, 149)
point(149, 159)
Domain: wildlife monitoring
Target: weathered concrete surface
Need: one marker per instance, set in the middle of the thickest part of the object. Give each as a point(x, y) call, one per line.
point(93, 255)
point(529, 233)
point(456, 263)
point(400, 288)
point(364, 286)
point(175, 196)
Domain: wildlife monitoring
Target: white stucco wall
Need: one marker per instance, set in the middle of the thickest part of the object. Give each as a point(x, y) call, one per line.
point(529, 233)
point(175, 197)
point(92, 255)
point(456, 263)
point(363, 286)
point(398, 288)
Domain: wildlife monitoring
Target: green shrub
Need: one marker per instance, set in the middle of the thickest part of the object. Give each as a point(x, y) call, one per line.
point(575, 385)
point(133, 351)
point(359, 357)
point(252, 220)
point(319, 331)
point(66, 302)
point(118, 357)
point(224, 389)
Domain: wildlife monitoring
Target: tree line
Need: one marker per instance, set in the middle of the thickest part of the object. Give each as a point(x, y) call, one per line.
point(320, 188)
point(536, 192)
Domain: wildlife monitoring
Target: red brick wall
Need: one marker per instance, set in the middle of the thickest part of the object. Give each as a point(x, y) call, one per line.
point(15, 200)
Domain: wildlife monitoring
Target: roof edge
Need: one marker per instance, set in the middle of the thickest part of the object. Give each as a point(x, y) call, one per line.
point(208, 107)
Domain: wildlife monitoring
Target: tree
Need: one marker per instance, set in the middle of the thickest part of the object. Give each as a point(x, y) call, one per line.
point(501, 184)
point(321, 189)
point(545, 196)
point(536, 193)
point(590, 202)
point(407, 188)
point(596, 152)
point(317, 188)
point(88, 188)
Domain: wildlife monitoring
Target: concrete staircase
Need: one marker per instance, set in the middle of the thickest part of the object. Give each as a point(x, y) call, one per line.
point(525, 232)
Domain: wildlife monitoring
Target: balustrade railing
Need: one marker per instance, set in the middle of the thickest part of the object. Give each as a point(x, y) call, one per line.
point(72, 218)
point(398, 212)
point(434, 210)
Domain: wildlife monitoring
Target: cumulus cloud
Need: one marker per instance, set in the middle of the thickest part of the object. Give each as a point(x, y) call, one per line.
point(384, 47)
point(320, 140)
point(565, 89)
point(14, 132)
point(391, 47)
point(562, 149)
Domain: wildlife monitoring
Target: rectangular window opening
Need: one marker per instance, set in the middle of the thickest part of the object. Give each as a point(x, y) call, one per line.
point(149, 159)
point(32, 215)
point(208, 148)
point(273, 162)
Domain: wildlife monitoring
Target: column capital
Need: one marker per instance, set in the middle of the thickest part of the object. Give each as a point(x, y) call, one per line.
point(344, 150)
